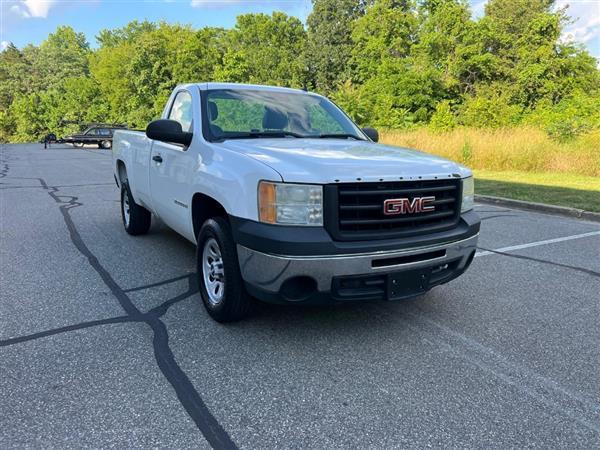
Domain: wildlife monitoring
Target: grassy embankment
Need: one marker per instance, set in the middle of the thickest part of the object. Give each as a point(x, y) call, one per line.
point(520, 163)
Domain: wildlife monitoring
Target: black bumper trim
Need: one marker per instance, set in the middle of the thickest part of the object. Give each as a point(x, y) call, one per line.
point(315, 241)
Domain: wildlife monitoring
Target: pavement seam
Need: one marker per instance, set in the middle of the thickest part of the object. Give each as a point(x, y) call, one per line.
point(65, 329)
point(543, 261)
point(542, 389)
point(496, 216)
point(158, 283)
point(187, 394)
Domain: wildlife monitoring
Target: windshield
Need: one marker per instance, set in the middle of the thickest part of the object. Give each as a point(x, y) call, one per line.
point(246, 113)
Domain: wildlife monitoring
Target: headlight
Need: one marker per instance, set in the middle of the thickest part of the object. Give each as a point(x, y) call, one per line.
point(290, 204)
point(468, 194)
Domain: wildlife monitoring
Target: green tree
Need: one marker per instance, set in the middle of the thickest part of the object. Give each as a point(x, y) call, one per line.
point(137, 71)
point(77, 99)
point(128, 33)
point(62, 55)
point(448, 42)
point(29, 114)
point(109, 69)
point(329, 41)
point(572, 116)
point(490, 108)
point(30, 77)
point(385, 32)
point(13, 67)
point(348, 96)
point(264, 49)
point(443, 119)
point(524, 38)
point(199, 55)
point(389, 63)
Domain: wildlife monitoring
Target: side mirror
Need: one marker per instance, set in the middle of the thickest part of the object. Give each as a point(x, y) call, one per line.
point(372, 133)
point(166, 130)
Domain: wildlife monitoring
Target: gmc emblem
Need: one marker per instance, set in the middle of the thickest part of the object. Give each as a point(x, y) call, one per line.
point(394, 206)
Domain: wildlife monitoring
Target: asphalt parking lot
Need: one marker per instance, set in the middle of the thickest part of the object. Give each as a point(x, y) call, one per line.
point(104, 341)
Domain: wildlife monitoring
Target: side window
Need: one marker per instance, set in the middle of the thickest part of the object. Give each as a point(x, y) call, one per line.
point(104, 132)
point(181, 111)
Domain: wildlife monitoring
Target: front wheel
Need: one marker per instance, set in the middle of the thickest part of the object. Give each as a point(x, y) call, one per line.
point(221, 284)
point(136, 218)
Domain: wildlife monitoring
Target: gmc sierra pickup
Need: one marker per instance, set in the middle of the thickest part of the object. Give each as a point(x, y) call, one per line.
point(289, 201)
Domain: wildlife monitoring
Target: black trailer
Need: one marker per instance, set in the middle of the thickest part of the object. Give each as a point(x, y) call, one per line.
point(100, 134)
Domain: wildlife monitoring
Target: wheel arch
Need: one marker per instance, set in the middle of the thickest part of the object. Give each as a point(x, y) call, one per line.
point(203, 208)
point(121, 172)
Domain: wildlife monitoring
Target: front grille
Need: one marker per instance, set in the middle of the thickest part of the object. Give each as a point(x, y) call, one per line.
point(355, 210)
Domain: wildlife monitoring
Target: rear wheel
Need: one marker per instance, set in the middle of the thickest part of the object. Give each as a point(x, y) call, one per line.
point(136, 218)
point(221, 284)
point(104, 144)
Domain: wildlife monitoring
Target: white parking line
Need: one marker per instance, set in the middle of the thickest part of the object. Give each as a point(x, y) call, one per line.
point(535, 244)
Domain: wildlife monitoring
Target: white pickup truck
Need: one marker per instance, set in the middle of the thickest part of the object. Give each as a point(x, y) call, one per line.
point(289, 201)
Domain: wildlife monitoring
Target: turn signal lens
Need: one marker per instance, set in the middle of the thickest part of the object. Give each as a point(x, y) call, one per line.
point(267, 209)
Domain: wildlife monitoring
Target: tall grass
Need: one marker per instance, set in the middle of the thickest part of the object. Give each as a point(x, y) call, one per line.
point(519, 149)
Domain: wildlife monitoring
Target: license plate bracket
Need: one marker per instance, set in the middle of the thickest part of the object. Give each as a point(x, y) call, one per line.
point(407, 283)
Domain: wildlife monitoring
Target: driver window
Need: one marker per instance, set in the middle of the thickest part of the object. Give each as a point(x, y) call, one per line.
point(181, 111)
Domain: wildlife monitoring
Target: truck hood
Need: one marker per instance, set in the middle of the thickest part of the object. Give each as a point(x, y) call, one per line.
point(324, 161)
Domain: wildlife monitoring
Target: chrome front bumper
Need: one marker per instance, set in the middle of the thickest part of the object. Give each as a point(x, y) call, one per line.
point(268, 272)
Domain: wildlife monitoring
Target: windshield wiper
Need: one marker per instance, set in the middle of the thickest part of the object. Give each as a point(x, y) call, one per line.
point(284, 134)
point(261, 134)
point(339, 136)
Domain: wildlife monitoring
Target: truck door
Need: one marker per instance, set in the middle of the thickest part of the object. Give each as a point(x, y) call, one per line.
point(172, 166)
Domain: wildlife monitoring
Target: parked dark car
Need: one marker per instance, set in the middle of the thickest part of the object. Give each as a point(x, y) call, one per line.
point(100, 135)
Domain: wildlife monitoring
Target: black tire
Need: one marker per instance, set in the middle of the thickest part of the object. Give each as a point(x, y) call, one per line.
point(139, 217)
point(105, 145)
point(235, 303)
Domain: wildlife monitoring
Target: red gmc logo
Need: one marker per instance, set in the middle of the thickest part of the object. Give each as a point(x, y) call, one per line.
point(394, 206)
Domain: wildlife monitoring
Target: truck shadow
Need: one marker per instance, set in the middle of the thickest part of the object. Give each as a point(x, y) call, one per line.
point(586, 199)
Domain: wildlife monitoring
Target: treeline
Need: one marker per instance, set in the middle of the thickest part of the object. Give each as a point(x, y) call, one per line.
point(388, 63)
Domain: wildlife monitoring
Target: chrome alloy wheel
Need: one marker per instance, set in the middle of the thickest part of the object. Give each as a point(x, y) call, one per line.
point(126, 211)
point(213, 272)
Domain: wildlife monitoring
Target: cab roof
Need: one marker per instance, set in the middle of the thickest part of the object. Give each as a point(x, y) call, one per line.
point(238, 86)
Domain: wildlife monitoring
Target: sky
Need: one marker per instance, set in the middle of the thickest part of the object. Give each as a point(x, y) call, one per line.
point(29, 21)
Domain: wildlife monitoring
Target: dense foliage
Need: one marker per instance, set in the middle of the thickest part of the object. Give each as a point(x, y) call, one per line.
point(388, 63)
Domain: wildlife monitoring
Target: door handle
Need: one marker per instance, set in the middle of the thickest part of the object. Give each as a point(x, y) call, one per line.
point(157, 158)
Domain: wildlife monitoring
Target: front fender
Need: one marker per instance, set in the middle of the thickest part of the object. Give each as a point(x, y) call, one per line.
point(231, 178)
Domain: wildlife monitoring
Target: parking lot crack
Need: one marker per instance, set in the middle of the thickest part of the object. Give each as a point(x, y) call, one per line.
point(543, 261)
point(186, 392)
point(158, 283)
point(495, 216)
point(65, 329)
